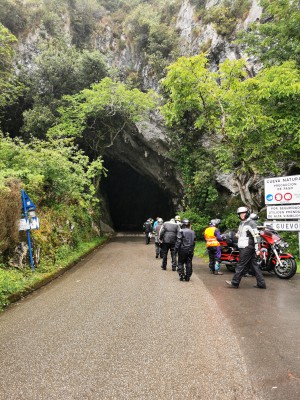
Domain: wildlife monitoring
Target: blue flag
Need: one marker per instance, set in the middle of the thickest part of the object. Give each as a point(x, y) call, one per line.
point(27, 204)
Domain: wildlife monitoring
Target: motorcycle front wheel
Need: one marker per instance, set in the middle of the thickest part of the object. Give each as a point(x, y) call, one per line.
point(287, 270)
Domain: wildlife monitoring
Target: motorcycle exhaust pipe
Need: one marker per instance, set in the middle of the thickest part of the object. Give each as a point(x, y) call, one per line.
point(229, 263)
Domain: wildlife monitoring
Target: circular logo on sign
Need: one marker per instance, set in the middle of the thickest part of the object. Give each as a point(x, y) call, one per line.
point(269, 197)
point(288, 196)
point(278, 196)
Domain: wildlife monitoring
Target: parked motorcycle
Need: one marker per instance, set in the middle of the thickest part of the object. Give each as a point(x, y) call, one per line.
point(273, 255)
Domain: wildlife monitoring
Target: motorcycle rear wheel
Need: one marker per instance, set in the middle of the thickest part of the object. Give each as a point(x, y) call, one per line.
point(288, 269)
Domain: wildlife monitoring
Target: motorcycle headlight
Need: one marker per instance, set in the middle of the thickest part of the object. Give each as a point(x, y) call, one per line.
point(282, 244)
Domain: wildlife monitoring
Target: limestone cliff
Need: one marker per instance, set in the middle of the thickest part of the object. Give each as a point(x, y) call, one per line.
point(145, 148)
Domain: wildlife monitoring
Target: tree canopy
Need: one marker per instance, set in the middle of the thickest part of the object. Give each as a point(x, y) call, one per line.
point(275, 37)
point(249, 126)
point(104, 111)
point(10, 88)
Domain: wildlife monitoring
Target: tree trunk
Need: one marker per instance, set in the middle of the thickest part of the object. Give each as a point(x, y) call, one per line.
point(245, 183)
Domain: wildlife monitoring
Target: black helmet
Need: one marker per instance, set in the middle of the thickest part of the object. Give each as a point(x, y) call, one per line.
point(185, 223)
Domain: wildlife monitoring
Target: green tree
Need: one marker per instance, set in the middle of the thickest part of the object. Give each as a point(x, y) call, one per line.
point(12, 16)
point(61, 181)
point(59, 69)
point(10, 88)
point(101, 113)
point(275, 38)
point(250, 126)
point(84, 15)
point(149, 27)
point(225, 15)
point(52, 172)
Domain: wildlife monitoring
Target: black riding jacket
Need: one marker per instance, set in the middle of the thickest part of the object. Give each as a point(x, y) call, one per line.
point(186, 240)
point(168, 232)
point(147, 227)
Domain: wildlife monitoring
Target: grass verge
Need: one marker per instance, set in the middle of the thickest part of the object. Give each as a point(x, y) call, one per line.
point(200, 251)
point(16, 283)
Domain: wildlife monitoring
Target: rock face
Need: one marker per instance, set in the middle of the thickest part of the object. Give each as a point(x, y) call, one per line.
point(194, 35)
point(144, 150)
point(144, 180)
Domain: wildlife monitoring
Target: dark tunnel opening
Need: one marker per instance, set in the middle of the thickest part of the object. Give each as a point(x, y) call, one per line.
point(133, 198)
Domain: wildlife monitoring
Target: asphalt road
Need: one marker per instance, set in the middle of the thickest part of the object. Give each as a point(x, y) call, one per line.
point(266, 324)
point(118, 327)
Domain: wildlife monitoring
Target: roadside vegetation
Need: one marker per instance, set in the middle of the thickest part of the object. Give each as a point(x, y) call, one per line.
point(15, 283)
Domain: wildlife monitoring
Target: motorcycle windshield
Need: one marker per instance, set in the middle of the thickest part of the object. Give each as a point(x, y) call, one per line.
point(270, 237)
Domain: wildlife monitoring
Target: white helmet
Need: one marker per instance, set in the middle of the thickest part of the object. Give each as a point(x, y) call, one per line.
point(241, 210)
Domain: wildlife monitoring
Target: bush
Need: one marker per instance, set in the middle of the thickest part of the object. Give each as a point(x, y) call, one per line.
point(10, 213)
point(226, 15)
point(198, 222)
point(292, 239)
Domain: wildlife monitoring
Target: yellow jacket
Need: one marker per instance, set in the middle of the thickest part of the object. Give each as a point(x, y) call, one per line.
point(210, 237)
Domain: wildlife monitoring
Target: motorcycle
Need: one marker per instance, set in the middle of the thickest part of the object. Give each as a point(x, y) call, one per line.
point(273, 256)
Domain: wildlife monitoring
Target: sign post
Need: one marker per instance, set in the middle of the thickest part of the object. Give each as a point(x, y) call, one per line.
point(282, 198)
point(30, 221)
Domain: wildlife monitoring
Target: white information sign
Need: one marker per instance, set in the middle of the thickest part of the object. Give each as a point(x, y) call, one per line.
point(282, 190)
point(284, 225)
point(284, 212)
point(26, 224)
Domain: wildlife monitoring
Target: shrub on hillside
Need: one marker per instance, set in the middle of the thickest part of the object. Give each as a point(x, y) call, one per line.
point(10, 213)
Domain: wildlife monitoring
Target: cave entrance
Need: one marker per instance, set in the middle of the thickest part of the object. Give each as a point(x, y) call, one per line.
point(133, 198)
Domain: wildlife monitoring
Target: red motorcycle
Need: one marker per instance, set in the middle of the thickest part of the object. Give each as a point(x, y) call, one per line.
point(273, 256)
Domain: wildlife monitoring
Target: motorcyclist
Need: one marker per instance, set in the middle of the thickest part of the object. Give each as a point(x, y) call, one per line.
point(250, 272)
point(158, 251)
point(178, 220)
point(248, 241)
point(185, 245)
point(167, 237)
point(147, 228)
point(213, 237)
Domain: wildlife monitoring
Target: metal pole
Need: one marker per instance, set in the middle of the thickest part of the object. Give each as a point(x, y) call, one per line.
point(299, 241)
point(27, 231)
point(30, 249)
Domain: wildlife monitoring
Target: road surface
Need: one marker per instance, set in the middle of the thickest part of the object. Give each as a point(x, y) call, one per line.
point(116, 326)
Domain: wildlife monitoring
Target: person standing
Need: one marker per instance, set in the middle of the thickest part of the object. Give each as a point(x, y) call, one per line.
point(158, 251)
point(248, 241)
point(167, 237)
point(147, 227)
point(155, 223)
point(213, 237)
point(184, 246)
point(178, 220)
